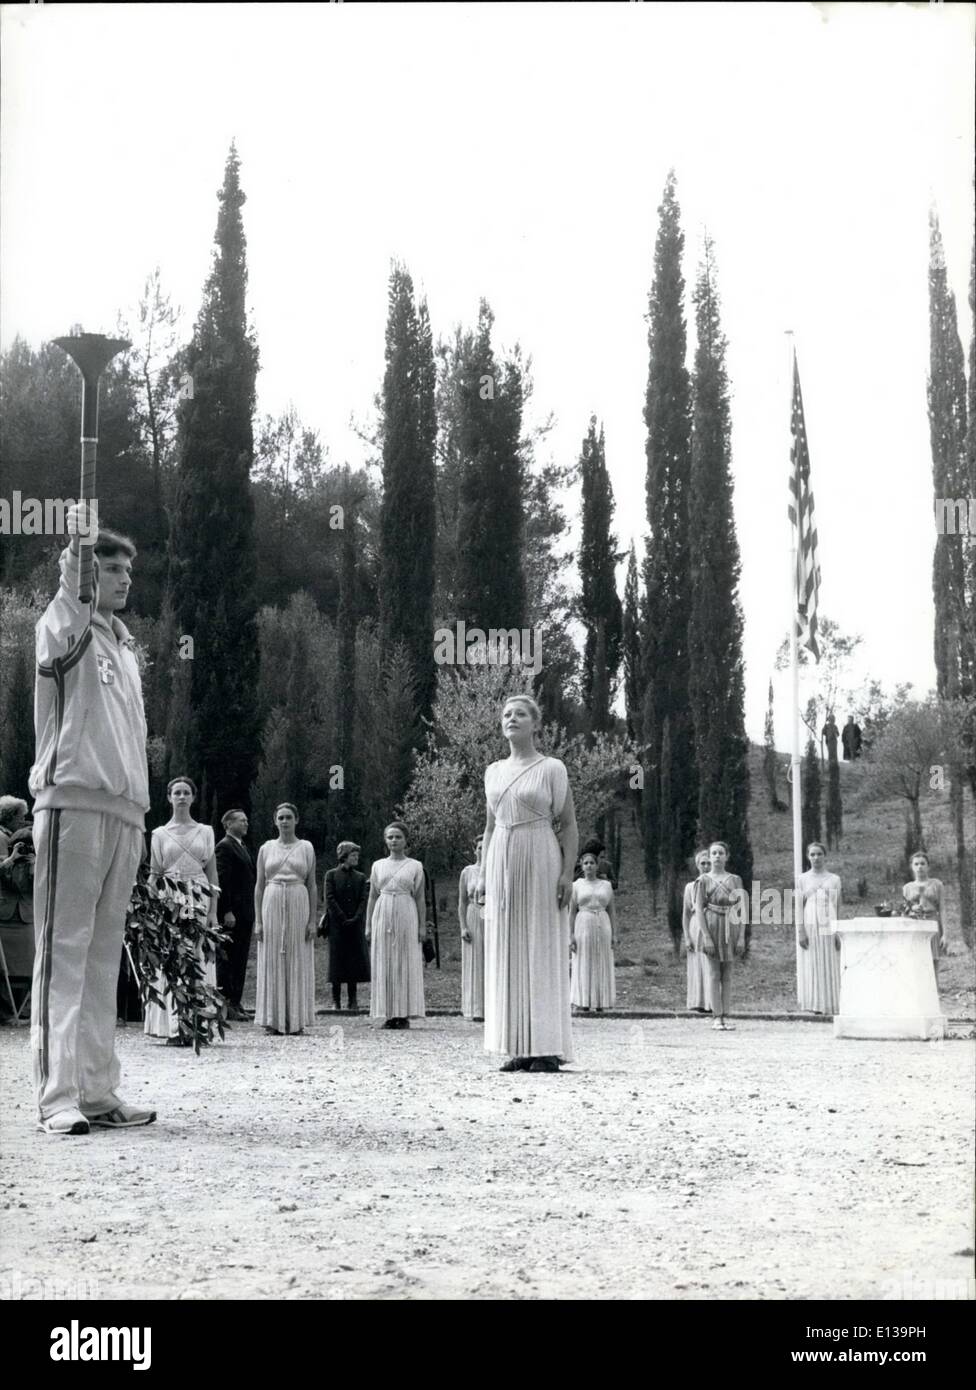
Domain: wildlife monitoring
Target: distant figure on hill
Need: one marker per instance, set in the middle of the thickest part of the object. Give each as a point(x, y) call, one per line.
point(851, 739)
point(830, 734)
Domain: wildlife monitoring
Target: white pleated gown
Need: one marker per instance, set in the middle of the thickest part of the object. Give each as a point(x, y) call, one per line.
point(286, 960)
point(396, 956)
point(818, 967)
point(527, 1009)
point(593, 984)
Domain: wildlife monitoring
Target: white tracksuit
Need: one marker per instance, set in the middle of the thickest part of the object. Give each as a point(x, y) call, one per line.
point(91, 788)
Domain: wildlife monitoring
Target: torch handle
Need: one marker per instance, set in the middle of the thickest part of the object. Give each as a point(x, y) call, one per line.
point(89, 445)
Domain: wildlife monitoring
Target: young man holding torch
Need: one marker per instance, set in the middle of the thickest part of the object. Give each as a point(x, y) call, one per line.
point(91, 788)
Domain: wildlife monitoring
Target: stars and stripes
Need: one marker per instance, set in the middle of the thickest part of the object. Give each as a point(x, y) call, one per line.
point(804, 522)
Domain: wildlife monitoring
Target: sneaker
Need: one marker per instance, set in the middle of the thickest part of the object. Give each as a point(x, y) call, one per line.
point(65, 1122)
point(123, 1117)
point(719, 1026)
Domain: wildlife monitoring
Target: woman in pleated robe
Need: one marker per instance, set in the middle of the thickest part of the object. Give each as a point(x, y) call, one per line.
point(818, 946)
point(527, 882)
point(285, 900)
point(471, 914)
point(396, 916)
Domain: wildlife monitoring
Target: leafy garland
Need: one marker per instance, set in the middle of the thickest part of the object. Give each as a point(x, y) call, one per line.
point(167, 933)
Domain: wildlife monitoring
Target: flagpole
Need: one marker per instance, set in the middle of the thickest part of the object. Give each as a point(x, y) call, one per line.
point(795, 789)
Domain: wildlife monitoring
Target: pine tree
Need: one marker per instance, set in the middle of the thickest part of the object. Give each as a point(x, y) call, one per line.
point(717, 682)
point(408, 512)
point(631, 649)
point(491, 523)
point(667, 415)
point(599, 607)
point(212, 550)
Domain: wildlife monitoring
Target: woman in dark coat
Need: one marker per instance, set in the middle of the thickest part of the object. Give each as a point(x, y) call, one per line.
point(346, 894)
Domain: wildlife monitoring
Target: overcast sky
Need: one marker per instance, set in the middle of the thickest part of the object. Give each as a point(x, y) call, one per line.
point(519, 153)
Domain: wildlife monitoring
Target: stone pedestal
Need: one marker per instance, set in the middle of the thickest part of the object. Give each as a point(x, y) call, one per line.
point(887, 979)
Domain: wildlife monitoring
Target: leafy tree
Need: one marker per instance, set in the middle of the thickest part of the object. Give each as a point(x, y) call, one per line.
point(837, 650)
point(918, 736)
point(212, 554)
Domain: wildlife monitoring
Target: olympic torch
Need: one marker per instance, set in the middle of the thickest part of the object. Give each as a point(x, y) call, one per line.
point(91, 353)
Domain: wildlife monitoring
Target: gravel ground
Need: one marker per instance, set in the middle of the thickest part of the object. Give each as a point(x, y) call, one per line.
point(668, 1162)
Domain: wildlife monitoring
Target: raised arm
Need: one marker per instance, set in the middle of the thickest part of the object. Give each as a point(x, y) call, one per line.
point(65, 620)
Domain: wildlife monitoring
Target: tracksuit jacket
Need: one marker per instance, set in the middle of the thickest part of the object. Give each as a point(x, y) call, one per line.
point(88, 711)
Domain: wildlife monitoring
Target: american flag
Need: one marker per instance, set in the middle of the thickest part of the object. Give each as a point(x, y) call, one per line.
point(804, 522)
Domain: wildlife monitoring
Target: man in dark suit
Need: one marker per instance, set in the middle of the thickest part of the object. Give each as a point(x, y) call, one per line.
point(346, 895)
point(235, 872)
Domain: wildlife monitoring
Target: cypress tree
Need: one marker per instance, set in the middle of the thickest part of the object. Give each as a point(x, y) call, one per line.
point(811, 795)
point(947, 432)
point(212, 550)
point(834, 815)
point(599, 607)
point(667, 415)
point(717, 682)
point(491, 585)
point(631, 650)
point(346, 622)
point(770, 764)
point(955, 658)
point(408, 512)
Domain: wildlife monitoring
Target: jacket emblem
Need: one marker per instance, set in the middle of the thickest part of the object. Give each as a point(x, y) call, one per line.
point(106, 670)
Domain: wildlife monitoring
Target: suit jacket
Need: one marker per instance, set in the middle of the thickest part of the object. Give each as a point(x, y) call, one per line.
point(235, 872)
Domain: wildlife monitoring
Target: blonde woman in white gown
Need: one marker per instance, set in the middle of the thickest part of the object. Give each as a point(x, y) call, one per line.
point(817, 945)
point(182, 849)
point(593, 930)
point(285, 909)
point(527, 883)
point(396, 917)
point(471, 913)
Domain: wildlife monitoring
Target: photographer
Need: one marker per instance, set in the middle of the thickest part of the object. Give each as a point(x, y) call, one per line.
point(17, 905)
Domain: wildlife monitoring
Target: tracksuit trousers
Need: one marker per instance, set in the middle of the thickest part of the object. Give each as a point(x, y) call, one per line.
point(83, 876)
